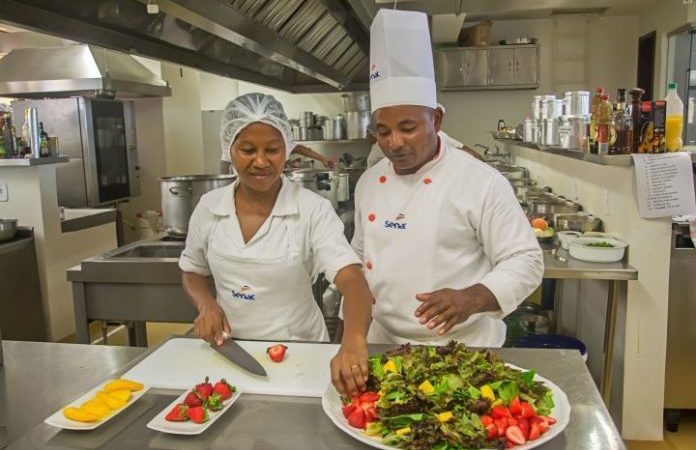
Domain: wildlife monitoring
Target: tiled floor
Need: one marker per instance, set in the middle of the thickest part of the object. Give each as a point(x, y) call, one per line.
point(684, 439)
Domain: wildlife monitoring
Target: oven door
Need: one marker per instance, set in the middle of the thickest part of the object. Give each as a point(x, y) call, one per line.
point(106, 168)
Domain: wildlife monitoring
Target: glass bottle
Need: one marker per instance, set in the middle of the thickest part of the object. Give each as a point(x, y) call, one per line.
point(622, 126)
point(636, 95)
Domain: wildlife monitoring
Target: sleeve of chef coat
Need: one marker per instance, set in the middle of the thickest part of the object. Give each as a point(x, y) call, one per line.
point(509, 243)
point(330, 247)
point(357, 241)
point(194, 256)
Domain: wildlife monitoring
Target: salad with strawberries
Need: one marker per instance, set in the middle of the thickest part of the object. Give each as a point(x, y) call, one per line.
point(449, 398)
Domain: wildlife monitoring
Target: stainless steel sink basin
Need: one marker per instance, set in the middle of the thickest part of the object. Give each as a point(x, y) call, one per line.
point(151, 250)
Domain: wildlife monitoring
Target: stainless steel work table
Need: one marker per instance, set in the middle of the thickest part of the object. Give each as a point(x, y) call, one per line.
point(39, 378)
point(559, 265)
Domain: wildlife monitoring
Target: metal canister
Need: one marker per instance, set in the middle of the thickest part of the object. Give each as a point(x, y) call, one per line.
point(577, 103)
point(549, 132)
point(560, 108)
point(536, 107)
point(529, 131)
point(572, 132)
point(33, 137)
point(548, 107)
point(339, 127)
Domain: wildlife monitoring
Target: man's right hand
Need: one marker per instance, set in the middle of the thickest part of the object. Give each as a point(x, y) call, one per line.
point(211, 323)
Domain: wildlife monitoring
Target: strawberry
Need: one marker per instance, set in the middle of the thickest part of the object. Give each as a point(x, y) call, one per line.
point(515, 407)
point(204, 389)
point(543, 427)
point(514, 435)
point(348, 409)
point(369, 397)
point(524, 426)
point(276, 352)
point(509, 444)
point(534, 432)
point(492, 431)
point(486, 420)
point(527, 410)
point(500, 411)
point(371, 414)
point(178, 414)
point(193, 399)
point(214, 402)
point(198, 414)
point(223, 389)
point(501, 424)
point(549, 419)
point(357, 419)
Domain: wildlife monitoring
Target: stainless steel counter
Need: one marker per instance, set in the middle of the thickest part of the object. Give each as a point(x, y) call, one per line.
point(561, 266)
point(44, 377)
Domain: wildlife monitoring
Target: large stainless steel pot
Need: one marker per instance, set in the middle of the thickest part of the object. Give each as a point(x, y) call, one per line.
point(8, 228)
point(180, 195)
point(356, 124)
point(356, 101)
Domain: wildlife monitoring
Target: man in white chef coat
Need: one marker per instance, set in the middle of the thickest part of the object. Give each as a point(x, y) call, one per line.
point(446, 248)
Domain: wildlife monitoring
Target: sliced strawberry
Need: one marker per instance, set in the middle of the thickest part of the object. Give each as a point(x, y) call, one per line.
point(276, 352)
point(193, 399)
point(543, 426)
point(223, 389)
point(534, 432)
point(369, 397)
point(509, 444)
point(204, 389)
point(527, 410)
point(514, 435)
point(357, 419)
point(371, 414)
point(500, 411)
point(501, 424)
point(515, 407)
point(486, 420)
point(524, 426)
point(511, 421)
point(491, 431)
point(347, 409)
point(198, 414)
point(549, 419)
point(178, 413)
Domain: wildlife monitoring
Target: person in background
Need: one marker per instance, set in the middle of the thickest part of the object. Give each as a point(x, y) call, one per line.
point(446, 248)
point(264, 240)
point(376, 153)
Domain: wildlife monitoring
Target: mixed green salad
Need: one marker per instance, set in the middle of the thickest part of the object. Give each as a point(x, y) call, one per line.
point(453, 398)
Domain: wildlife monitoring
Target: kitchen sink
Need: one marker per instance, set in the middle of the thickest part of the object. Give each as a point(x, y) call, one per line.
point(151, 250)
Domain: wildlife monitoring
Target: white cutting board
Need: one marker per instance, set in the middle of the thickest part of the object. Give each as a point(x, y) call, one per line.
point(181, 363)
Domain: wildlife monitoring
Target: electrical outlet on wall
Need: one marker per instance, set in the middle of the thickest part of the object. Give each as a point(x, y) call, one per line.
point(4, 195)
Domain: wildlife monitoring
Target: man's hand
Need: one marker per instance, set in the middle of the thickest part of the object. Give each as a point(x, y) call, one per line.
point(211, 323)
point(328, 162)
point(446, 308)
point(349, 366)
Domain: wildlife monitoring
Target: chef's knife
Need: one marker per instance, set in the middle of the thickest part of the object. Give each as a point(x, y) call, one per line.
point(235, 353)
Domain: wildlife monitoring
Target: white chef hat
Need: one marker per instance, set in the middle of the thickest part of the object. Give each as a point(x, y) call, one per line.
point(401, 60)
point(250, 108)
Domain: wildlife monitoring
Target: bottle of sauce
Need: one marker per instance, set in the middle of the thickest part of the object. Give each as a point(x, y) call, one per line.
point(622, 126)
point(636, 95)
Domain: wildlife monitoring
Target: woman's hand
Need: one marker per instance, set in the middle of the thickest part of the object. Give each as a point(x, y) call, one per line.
point(211, 323)
point(349, 366)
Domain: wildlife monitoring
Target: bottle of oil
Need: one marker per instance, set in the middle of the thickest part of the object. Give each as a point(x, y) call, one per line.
point(604, 115)
point(596, 100)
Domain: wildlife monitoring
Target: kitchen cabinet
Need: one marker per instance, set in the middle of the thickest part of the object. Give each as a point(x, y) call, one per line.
point(484, 68)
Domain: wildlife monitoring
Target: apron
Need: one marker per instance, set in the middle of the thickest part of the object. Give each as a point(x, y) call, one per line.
point(267, 298)
point(402, 226)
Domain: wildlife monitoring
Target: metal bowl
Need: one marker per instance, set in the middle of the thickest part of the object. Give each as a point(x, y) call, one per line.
point(578, 222)
point(8, 228)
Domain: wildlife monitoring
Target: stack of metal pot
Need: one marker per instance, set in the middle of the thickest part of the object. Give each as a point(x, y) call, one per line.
point(543, 128)
point(559, 122)
point(357, 108)
point(574, 122)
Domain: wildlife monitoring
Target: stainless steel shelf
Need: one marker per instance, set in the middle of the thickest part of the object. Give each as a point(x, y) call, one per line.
point(331, 141)
point(604, 160)
point(563, 266)
point(26, 162)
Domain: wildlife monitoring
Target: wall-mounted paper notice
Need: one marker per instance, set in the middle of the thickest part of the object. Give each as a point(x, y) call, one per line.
point(665, 185)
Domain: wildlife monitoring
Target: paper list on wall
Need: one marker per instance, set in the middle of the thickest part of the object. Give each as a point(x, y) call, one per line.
point(665, 185)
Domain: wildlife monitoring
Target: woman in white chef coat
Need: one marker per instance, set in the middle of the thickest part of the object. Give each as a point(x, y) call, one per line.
point(264, 240)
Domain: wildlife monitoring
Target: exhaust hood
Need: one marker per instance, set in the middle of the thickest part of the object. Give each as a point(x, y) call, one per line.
point(76, 70)
point(293, 45)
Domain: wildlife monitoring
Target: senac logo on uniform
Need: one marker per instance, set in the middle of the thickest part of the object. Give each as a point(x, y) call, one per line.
point(374, 72)
point(244, 293)
point(399, 223)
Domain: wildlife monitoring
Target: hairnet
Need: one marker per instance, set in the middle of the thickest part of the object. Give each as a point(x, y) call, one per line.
point(250, 108)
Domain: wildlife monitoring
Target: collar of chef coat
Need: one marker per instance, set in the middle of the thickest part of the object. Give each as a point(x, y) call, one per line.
point(285, 204)
point(442, 148)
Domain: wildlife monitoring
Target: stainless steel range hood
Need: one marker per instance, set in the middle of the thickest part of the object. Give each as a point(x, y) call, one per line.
point(76, 70)
point(294, 45)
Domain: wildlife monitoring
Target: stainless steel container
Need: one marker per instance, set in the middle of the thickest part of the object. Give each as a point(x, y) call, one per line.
point(8, 229)
point(303, 133)
point(33, 132)
point(529, 130)
point(307, 119)
point(328, 130)
point(180, 195)
point(536, 107)
point(577, 103)
point(553, 208)
point(578, 222)
point(560, 108)
point(356, 124)
point(339, 127)
point(343, 187)
point(548, 107)
point(356, 101)
point(549, 132)
point(572, 132)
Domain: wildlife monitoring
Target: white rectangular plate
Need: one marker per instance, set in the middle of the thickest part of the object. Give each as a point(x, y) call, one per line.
point(159, 423)
point(59, 420)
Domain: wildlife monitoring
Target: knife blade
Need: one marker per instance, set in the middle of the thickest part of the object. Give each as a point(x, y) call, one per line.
point(240, 357)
